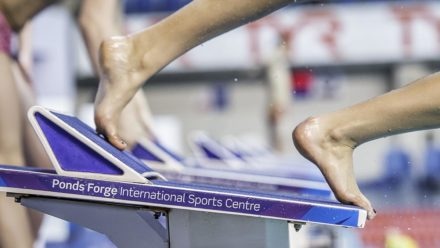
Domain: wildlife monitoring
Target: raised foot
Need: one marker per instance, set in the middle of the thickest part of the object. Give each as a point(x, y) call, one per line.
point(122, 74)
point(334, 159)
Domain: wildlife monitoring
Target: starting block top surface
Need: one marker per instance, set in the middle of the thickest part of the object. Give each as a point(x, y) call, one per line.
point(174, 168)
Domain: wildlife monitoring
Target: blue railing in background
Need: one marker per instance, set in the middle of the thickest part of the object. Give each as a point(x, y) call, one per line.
point(146, 6)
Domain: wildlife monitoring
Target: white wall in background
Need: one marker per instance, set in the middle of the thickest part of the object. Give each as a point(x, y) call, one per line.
point(53, 66)
point(343, 33)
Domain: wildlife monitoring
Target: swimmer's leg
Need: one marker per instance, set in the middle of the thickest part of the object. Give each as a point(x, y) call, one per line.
point(328, 140)
point(127, 62)
point(136, 120)
point(15, 228)
point(103, 24)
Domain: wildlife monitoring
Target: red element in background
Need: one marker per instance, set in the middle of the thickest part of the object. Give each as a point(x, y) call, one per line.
point(419, 223)
point(292, 30)
point(406, 16)
point(302, 81)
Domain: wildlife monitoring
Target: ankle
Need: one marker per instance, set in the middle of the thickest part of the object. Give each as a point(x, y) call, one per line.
point(320, 130)
point(337, 134)
point(154, 50)
point(115, 49)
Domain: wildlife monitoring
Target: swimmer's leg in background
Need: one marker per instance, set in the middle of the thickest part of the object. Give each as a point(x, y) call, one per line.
point(99, 20)
point(34, 153)
point(136, 120)
point(15, 227)
point(329, 140)
point(126, 62)
point(103, 24)
point(279, 95)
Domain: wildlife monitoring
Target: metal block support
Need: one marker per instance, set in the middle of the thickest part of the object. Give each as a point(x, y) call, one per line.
point(127, 227)
point(191, 229)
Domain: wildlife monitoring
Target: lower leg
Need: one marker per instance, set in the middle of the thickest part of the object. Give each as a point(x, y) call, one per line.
point(144, 114)
point(136, 120)
point(329, 140)
point(95, 27)
point(34, 153)
point(11, 151)
point(15, 227)
point(126, 62)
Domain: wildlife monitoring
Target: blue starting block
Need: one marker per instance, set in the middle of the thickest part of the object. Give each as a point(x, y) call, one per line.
point(173, 167)
point(212, 154)
point(112, 192)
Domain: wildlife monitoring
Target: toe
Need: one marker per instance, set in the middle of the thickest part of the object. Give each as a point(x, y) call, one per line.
point(116, 141)
point(110, 134)
point(359, 200)
point(364, 203)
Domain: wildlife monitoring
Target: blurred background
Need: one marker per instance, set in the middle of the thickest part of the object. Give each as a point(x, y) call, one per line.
point(256, 83)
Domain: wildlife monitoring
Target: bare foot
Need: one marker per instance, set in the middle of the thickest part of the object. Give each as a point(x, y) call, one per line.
point(334, 157)
point(122, 74)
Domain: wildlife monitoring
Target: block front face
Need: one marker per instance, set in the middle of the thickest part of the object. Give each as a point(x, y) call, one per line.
point(89, 133)
point(191, 197)
point(72, 154)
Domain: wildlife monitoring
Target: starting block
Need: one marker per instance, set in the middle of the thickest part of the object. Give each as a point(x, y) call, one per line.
point(112, 192)
point(211, 154)
point(173, 167)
